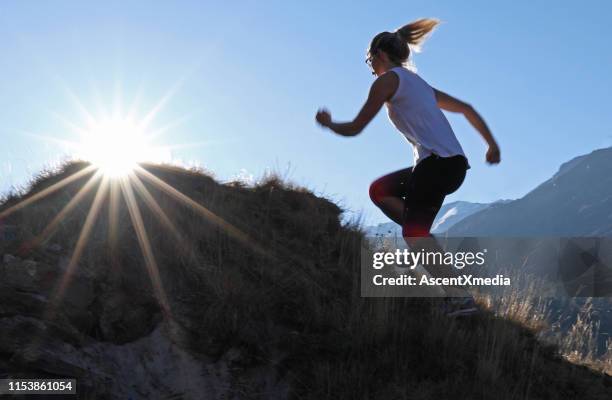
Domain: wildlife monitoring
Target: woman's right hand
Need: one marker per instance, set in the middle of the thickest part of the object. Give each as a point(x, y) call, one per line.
point(323, 117)
point(493, 154)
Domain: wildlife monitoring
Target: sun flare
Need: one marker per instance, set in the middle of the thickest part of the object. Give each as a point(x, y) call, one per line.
point(116, 141)
point(116, 146)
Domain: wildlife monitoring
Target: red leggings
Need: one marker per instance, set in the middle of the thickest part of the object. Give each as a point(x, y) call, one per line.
point(422, 189)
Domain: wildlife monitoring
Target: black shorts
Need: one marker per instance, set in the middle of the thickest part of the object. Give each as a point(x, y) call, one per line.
point(423, 189)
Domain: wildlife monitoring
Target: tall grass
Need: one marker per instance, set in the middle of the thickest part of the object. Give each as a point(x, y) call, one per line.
point(566, 323)
point(297, 305)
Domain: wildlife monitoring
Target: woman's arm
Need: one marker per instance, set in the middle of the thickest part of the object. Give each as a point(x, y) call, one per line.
point(382, 89)
point(450, 103)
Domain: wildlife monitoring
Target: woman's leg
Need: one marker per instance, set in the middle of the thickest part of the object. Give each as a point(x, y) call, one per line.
point(388, 192)
point(431, 181)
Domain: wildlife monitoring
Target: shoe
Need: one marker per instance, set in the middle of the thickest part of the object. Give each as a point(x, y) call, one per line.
point(459, 306)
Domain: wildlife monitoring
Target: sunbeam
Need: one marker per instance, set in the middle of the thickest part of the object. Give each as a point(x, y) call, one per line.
point(89, 118)
point(50, 228)
point(206, 213)
point(113, 225)
point(167, 127)
point(155, 207)
point(228, 228)
point(145, 246)
point(78, 249)
point(47, 191)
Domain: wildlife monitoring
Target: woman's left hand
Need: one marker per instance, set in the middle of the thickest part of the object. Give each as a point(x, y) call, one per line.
point(493, 156)
point(323, 117)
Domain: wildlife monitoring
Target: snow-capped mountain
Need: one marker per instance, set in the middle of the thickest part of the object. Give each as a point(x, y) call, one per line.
point(576, 201)
point(448, 215)
point(452, 213)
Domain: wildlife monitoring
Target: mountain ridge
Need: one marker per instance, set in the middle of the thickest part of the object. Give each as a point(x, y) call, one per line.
point(575, 201)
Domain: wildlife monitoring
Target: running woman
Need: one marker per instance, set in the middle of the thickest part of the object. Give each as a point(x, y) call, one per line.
point(413, 196)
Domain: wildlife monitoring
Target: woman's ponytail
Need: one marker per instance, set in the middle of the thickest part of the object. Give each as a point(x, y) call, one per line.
point(398, 44)
point(416, 32)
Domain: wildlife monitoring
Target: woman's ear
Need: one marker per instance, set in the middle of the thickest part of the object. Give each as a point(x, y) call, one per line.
point(382, 56)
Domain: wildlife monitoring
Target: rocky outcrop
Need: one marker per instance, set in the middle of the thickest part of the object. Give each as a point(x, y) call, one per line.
point(116, 344)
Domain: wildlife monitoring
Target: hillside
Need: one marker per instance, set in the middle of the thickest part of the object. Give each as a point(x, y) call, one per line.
point(235, 292)
point(576, 201)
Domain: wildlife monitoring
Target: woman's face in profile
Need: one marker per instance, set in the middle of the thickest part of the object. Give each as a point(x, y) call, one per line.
point(374, 61)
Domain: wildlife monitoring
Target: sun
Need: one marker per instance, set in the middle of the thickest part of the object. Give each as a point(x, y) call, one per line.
point(117, 145)
point(114, 146)
point(117, 136)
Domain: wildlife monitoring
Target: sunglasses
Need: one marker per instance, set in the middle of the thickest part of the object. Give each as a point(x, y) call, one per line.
point(368, 61)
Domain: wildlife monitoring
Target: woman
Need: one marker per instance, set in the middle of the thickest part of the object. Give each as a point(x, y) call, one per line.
point(413, 196)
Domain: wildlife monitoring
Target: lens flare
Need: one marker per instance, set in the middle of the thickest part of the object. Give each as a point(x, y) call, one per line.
point(116, 146)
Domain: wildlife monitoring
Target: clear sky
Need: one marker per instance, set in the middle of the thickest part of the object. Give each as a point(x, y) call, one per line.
point(246, 79)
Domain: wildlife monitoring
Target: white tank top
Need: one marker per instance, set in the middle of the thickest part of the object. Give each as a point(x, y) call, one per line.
point(414, 111)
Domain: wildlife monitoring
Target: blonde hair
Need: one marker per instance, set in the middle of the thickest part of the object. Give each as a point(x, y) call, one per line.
point(397, 44)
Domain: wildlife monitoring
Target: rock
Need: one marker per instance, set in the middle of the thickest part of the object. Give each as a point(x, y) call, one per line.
point(233, 355)
point(8, 233)
point(149, 367)
point(31, 307)
point(30, 267)
point(63, 262)
point(56, 248)
point(39, 280)
point(38, 346)
point(16, 332)
point(124, 319)
point(13, 302)
point(28, 275)
point(9, 258)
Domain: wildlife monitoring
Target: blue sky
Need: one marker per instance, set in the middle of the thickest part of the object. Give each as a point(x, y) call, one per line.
point(248, 77)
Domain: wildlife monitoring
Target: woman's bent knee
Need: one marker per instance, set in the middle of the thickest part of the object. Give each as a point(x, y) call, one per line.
point(412, 230)
point(377, 192)
point(418, 220)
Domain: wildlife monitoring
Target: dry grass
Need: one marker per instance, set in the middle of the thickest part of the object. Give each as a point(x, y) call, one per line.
point(568, 324)
point(297, 305)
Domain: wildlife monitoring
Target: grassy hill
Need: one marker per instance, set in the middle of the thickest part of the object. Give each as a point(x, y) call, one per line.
point(175, 286)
